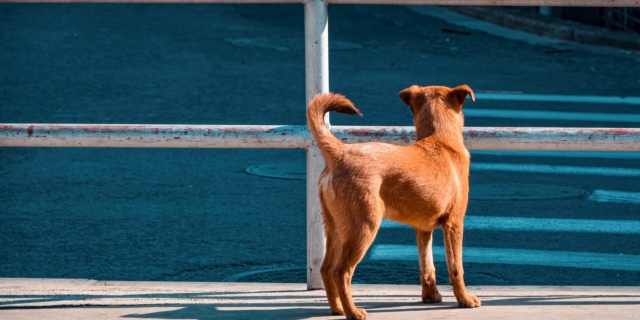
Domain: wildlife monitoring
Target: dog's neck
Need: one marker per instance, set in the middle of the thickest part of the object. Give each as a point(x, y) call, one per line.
point(448, 133)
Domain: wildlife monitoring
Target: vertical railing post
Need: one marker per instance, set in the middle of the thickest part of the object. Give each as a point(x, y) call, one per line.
point(317, 81)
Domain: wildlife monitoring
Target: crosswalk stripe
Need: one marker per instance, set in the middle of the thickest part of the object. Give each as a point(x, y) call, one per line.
point(540, 168)
point(557, 98)
point(615, 196)
point(540, 224)
point(605, 261)
point(551, 115)
point(560, 154)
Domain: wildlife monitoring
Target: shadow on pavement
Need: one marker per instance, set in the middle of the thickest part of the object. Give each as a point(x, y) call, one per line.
point(276, 304)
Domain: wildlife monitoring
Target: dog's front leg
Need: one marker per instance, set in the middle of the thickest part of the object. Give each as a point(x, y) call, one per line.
point(453, 245)
point(430, 292)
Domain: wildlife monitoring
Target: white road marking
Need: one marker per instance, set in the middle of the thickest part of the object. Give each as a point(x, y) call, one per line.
point(560, 154)
point(605, 261)
point(540, 168)
point(557, 98)
point(550, 115)
point(615, 196)
point(541, 224)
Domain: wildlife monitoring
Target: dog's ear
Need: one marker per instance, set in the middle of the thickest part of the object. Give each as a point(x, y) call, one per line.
point(458, 96)
point(412, 96)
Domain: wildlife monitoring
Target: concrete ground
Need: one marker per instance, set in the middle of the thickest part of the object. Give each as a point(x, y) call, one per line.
point(91, 299)
point(195, 215)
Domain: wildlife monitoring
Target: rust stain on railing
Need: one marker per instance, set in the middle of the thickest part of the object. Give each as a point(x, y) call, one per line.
point(260, 136)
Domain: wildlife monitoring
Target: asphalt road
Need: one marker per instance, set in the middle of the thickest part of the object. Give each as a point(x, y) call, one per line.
point(195, 215)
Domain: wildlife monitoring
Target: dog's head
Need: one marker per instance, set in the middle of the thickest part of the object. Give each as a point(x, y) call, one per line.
point(436, 109)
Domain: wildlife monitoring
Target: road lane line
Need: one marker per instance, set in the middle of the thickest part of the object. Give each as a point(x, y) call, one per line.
point(615, 196)
point(605, 261)
point(557, 98)
point(560, 154)
point(540, 168)
point(541, 224)
point(550, 115)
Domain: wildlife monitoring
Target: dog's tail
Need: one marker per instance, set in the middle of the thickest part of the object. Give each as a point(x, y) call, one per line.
point(321, 104)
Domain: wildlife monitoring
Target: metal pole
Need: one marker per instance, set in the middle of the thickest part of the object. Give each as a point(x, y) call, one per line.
point(317, 81)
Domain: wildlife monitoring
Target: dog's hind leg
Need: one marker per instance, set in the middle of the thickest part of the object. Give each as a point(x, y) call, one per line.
point(333, 242)
point(355, 242)
point(329, 279)
point(452, 230)
point(430, 292)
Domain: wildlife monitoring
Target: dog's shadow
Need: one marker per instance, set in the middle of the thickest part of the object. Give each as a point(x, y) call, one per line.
point(286, 305)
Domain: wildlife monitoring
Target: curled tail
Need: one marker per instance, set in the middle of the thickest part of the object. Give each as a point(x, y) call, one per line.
point(321, 104)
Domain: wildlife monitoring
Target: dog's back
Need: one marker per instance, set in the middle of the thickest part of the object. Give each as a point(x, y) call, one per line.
point(424, 177)
point(428, 176)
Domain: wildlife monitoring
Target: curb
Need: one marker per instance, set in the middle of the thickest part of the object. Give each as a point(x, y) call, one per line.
point(551, 27)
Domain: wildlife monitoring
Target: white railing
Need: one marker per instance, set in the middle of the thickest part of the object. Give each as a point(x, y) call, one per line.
point(299, 137)
point(317, 81)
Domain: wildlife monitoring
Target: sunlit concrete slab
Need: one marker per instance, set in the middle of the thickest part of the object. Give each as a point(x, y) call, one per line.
point(91, 299)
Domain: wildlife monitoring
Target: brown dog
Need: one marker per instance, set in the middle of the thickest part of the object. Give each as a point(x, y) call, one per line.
point(425, 185)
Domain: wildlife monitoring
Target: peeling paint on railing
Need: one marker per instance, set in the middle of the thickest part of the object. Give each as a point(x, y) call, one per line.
point(536, 138)
point(258, 136)
point(152, 136)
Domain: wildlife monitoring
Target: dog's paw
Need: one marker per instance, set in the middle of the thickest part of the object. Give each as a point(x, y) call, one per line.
point(432, 298)
point(360, 314)
point(470, 302)
point(337, 312)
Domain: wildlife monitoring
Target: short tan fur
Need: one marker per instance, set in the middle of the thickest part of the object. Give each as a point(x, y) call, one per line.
point(424, 185)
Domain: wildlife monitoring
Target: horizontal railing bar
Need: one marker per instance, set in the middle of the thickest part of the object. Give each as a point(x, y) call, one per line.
point(537, 138)
point(568, 3)
point(292, 137)
point(153, 136)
